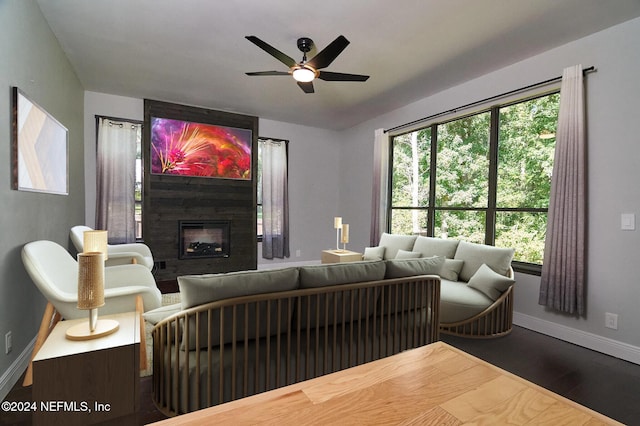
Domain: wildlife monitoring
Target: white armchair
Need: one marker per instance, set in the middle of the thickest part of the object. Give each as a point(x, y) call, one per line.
point(55, 272)
point(119, 254)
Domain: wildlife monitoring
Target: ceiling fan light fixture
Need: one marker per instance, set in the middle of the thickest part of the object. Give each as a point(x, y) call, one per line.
point(303, 74)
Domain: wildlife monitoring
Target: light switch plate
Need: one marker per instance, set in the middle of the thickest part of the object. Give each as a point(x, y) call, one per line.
point(628, 221)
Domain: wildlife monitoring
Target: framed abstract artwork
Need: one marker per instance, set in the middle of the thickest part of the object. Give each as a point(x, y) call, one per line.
point(187, 148)
point(40, 148)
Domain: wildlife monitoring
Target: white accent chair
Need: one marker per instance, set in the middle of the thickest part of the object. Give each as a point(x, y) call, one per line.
point(119, 254)
point(54, 271)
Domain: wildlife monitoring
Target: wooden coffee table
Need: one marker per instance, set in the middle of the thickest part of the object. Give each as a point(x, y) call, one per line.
point(433, 384)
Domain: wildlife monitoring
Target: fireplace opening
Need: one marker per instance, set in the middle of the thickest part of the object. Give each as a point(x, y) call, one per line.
point(205, 238)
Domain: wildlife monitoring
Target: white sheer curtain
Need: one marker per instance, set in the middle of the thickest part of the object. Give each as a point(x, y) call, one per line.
point(563, 272)
point(379, 193)
point(116, 163)
point(275, 200)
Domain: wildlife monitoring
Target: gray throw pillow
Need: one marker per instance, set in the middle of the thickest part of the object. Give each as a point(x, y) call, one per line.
point(399, 268)
point(474, 255)
point(489, 282)
point(451, 269)
point(373, 253)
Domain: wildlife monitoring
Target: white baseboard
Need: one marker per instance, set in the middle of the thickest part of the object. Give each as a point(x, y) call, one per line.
point(15, 370)
point(578, 337)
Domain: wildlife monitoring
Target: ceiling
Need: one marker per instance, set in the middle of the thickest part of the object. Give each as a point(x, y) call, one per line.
point(195, 52)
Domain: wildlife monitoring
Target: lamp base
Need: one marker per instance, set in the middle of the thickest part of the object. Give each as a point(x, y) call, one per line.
point(104, 327)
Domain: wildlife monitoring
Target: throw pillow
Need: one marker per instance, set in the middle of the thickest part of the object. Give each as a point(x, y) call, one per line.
point(373, 253)
point(404, 254)
point(451, 269)
point(489, 282)
point(474, 255)
point(399, 268)
point(431, 246)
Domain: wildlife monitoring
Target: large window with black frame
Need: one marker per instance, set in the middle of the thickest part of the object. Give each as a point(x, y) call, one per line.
point(483, 177)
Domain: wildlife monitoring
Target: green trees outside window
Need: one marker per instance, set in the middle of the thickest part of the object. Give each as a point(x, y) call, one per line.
point(484, 177)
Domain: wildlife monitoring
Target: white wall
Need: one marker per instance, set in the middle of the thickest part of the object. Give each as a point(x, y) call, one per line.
point(613, 94)
point(313, 174)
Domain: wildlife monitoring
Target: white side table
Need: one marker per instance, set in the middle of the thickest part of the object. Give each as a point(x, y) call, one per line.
point(340, 256)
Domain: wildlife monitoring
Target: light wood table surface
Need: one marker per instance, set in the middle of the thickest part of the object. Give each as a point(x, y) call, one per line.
point(431, 385)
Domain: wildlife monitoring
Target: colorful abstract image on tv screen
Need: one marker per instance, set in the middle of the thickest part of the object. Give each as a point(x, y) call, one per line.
point(184, 148)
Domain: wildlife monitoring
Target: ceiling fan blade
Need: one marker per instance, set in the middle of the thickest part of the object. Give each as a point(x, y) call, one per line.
point(338, 76)
point(268, 73)
point(287, 60)
point(329, 53)
point(307, 87)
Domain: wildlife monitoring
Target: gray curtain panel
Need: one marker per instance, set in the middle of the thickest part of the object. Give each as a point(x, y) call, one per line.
point(275, 200)
point(563, 272)
point(116, 165)
point(379, 187)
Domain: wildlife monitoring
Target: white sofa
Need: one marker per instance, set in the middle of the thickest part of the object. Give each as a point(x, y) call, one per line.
point(476, 296)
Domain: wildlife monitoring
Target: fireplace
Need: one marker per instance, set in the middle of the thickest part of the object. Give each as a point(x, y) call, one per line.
point(204, 238)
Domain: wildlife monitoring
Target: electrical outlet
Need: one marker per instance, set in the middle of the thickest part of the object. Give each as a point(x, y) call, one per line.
point(611, 320)
point(298, 253)
point(8, 344)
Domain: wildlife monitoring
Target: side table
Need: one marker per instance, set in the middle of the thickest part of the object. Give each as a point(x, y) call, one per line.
point(91, 381)
point(340, 256)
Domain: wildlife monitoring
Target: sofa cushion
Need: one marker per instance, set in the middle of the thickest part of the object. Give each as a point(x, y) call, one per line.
point(489, 282)
point(156, 315)
point(341, 273)
point(373, 253)
point(459, 302)
point(393, 243)
point(404, 254)
point(399, 268)
point(197, 290)
point(451, 269)
point(332, 305)
point(430, 246)
point(474, 255)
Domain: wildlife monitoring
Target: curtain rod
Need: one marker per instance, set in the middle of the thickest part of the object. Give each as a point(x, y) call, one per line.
point(491, 98)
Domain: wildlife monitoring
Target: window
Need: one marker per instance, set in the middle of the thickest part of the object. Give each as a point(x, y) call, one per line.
point(484, 177)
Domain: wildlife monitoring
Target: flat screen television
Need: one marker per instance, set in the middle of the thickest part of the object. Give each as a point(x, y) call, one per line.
point(185, 148)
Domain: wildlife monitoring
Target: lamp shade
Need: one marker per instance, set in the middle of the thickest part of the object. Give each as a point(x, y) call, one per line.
point(90, 280)
point(345, 233)
point(96, 241)
point(337, 222)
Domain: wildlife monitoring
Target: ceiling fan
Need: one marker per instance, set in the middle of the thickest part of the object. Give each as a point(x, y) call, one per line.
point(305, 71)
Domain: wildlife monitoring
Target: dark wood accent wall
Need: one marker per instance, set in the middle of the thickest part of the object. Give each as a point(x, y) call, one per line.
point(169, 199)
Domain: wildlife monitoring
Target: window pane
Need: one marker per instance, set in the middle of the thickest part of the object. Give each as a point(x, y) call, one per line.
point(461, 224)
point(409, 221)
point(411, 161)
point(524, 232)
point(462, 179)
point(525, 152)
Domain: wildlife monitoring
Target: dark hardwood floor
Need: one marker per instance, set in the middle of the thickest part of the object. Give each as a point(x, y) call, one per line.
point(608, 385)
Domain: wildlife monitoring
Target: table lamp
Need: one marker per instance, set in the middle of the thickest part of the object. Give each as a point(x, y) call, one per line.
point(91, 297)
